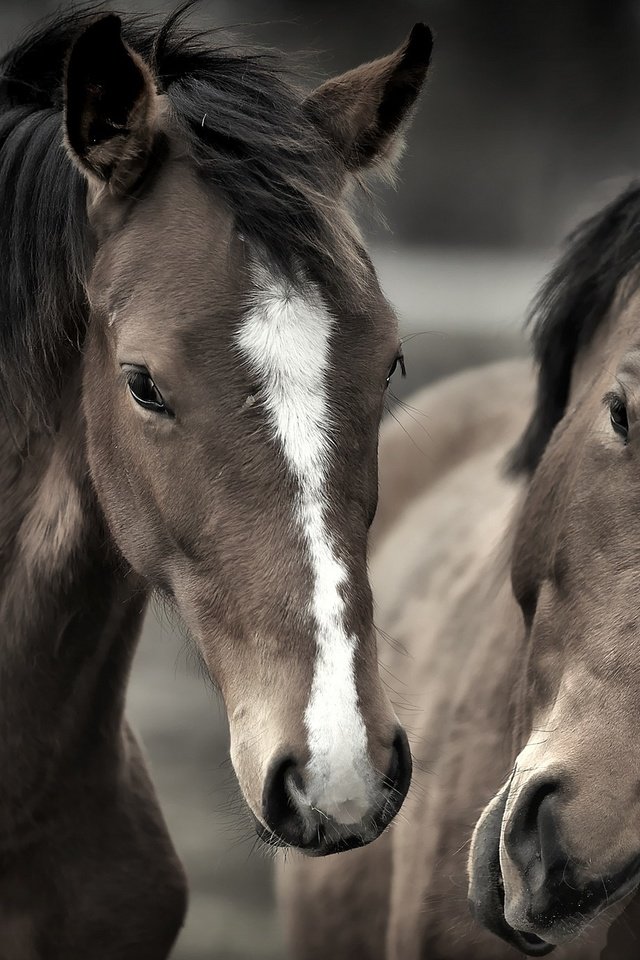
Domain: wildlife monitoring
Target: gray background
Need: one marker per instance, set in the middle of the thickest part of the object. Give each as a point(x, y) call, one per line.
point(530, 121)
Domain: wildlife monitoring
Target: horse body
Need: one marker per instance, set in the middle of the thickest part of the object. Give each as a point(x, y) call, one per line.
point(456, 622)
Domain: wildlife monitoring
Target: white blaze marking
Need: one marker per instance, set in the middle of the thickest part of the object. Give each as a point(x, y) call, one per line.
point(285, 337)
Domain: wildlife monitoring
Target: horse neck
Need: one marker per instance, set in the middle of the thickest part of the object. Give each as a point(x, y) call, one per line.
point(70, 612)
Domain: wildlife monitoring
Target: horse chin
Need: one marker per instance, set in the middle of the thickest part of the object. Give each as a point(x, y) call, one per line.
point(322, 847)
point(486, 894)
point(492, 917)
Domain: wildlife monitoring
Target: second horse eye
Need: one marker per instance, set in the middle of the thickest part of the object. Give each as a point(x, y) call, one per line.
point(398, 362)
point(618, 417)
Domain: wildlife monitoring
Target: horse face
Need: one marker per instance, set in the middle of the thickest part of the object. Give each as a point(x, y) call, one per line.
point(232, 431)
point(564, 833)
point(232, 420)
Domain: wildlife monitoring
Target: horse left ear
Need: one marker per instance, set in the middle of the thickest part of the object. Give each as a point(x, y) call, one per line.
point(110, 106)
point(364, 112)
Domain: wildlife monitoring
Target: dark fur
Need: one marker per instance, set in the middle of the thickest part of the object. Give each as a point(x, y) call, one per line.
point(570, 307)
point(256, 148)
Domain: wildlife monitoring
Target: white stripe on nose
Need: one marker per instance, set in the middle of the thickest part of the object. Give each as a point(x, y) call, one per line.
point(285, 337)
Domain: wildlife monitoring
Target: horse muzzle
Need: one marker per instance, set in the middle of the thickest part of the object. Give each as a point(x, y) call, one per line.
point(486, 888)
point(552, 899)
point(291, 819)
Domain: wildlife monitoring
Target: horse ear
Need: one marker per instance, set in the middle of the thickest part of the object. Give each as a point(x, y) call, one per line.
point(364, 112)
point(110, 105)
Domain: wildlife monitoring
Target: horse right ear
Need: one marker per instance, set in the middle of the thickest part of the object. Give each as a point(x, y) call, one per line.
point(110, 106)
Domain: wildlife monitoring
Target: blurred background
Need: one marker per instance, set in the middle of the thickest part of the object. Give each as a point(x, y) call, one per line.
point(530, 122)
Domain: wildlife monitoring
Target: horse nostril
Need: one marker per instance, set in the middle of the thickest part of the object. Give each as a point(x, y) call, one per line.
point(348, 814)
point(551, 850)
point(400, 768)
point(533, 837)
point(279, 808)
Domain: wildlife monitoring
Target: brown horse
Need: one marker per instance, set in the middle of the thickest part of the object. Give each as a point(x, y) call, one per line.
point(194, 352)
point(511, 598)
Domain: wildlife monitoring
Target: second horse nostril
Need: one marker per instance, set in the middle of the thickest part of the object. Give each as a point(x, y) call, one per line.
point(279, 807)
point(551, 850)
point(533, 835)
point(399, 772)
point(394, 767)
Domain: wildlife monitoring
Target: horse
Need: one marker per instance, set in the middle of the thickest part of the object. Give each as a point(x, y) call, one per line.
point(504, 570)
point(194, 354)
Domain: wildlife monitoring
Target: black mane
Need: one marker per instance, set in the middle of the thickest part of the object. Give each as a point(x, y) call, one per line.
point(244, 122)
point(571, 305)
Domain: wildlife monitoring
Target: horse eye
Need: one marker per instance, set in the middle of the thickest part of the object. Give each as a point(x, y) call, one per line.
point(144, 391)
point(397, 362)
point(618, 416)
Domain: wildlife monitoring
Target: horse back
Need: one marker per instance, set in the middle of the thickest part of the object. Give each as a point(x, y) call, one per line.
point(444, 426)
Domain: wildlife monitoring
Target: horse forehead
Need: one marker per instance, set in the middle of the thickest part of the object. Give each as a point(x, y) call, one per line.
point(308, 349)
point(172, 239)
point(177, 256)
